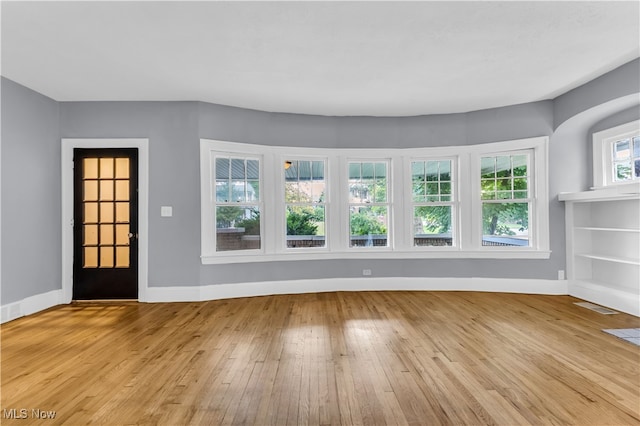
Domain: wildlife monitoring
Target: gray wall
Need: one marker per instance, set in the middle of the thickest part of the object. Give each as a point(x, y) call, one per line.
point(174, 130)
point(31, 199)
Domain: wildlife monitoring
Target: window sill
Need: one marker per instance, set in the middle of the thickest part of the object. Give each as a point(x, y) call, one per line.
point(523, 253)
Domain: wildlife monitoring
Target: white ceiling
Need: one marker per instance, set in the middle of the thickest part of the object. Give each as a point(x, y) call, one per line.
point(328, 58)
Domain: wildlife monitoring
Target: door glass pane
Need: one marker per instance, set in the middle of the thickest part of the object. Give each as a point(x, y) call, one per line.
point(106, 168)
point(122, 168)
point(106, 257)
point(122, 235)
point(90, 168)
point(106, 212)
point(90, 235)
point(122, 257)
point(106, 190)
point(122, 212)
point(106, 234)
point(122, 190)
point(90, 212)
point(90, 190)
point(90, 257)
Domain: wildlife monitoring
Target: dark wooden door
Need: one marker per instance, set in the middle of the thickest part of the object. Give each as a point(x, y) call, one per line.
point(105, 256)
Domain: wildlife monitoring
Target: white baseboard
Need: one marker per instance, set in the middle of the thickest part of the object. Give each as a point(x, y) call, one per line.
point(612, 298)
point(228, 291)
point(30, 305)
point(33, 304)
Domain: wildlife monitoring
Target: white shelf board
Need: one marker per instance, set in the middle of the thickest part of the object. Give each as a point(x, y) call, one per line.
point(622, 192)
point(597, 228)
point(616, 259)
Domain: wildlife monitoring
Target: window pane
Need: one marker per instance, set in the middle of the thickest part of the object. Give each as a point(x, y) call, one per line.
point(305, 226)
point(367, 171)
point(621, 150)
point(636, 147)
point(432, 171)
point(432, 226)
point(122, 168)
point(488, 167)
point(417, 170)
point(238, 191)
point(622, 171)
point(637, 169)
point(238, 169)
point(368, 226)
point(519, 165)
point(90, 192)
point(505, 224)
point(354, 171)
point(304, 171)
point(380, 170)
point(253, 190)
point(222, 191)
point(359, 192)
point(106, 168)
point(237, 228)
point(445, 170)
point(503, 166)
point(106, 190)
point(253, 169)
point(222, 168)
point(106, 212)
point(90, 168)
point(90, 212)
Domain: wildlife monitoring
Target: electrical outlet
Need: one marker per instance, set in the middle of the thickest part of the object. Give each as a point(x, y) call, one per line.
point(366, 272)
point(561, 274)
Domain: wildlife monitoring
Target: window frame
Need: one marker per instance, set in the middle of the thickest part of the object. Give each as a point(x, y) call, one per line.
point(603, 160)
point(530, 199)
point(466, 188)
point(326, 204)
point(388, 203)
point(454, 203)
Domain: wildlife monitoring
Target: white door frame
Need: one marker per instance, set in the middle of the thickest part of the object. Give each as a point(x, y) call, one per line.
point(67, 208)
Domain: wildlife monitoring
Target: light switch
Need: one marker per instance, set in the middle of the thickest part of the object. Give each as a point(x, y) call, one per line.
point(166, 211)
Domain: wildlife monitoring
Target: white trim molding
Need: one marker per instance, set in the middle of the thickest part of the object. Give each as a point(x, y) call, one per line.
point(67, 208)
point(269, 288)
point(30, 305)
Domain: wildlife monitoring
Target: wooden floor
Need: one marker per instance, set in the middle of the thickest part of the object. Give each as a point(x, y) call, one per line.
point(379, 358)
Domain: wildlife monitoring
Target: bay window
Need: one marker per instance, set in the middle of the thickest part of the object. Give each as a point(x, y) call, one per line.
point(271, 203)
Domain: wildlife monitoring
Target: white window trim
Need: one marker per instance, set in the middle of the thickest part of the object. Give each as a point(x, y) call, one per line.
point(602, 151)
point(468, 204)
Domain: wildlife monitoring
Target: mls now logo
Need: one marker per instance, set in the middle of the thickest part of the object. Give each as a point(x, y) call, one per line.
point(23, 413)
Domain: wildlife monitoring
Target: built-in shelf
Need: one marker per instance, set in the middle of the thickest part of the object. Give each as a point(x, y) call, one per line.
point(595, 228)
point(615, 259)
point(603, 247)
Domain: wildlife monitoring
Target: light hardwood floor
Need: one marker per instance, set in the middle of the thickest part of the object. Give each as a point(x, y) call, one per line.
point(379, 358)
